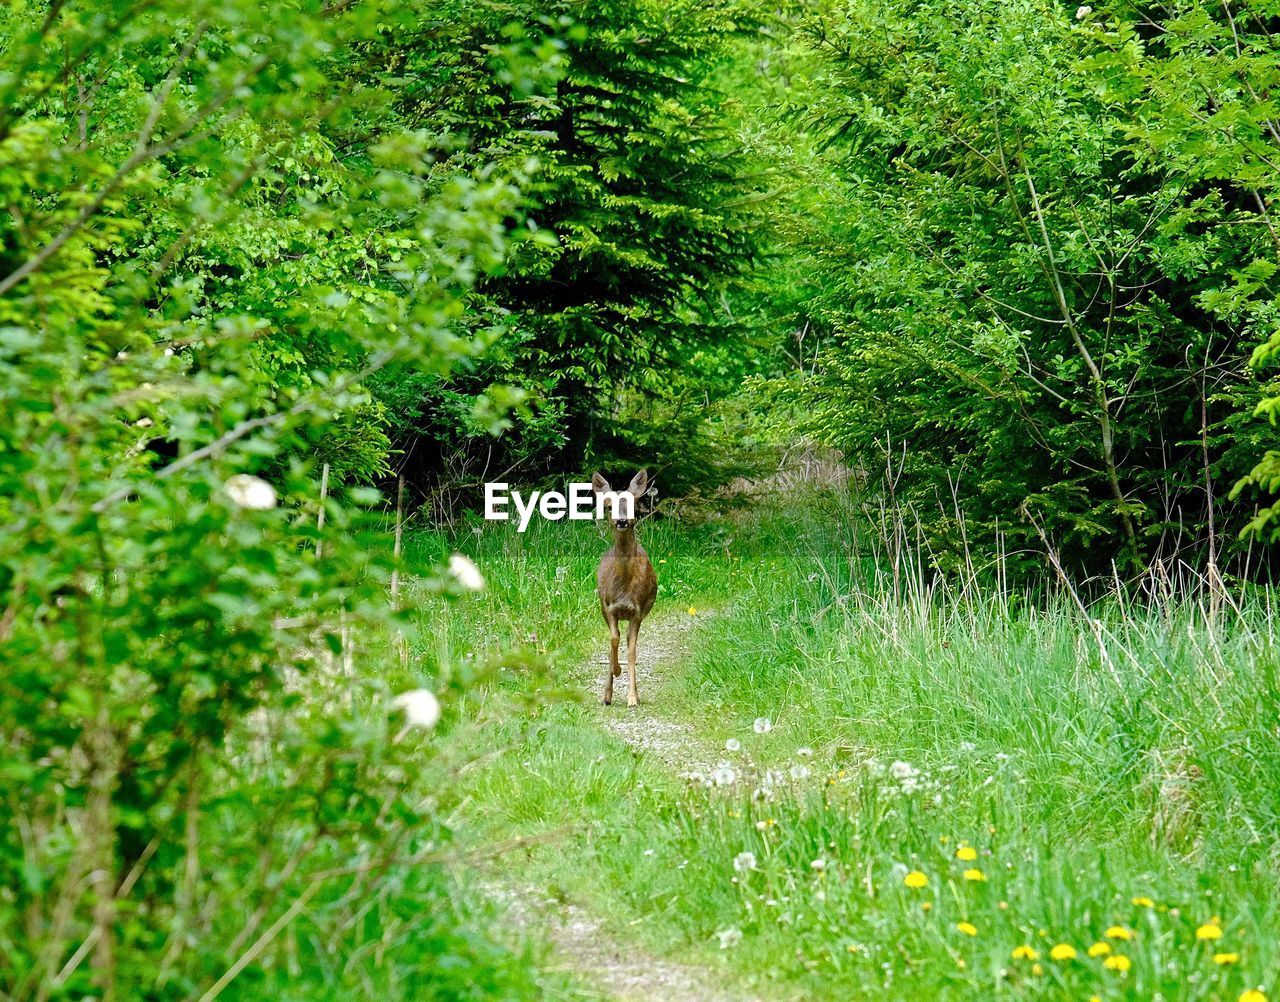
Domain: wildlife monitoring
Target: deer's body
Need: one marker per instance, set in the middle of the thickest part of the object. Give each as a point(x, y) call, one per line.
point(627, 586)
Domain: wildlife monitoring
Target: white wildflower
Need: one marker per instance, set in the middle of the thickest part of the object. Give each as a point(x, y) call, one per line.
point(723, 774)
point(761, 825)
point(968, 746)
point(466, 573)
point(733, 744)
point(799, 772)
point(421, 708)
point(902, 770)
point(247, 491)
point(763, 725)
point(805, 752)
point(910, 785)
point(729, 938)
point(744, 861)
point(1083, 11)
point(818, 864)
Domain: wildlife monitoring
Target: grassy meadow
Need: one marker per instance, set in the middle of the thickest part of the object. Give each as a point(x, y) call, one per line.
point(897, 787)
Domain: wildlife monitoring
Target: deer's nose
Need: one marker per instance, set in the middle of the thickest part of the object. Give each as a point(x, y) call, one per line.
point(622, 523)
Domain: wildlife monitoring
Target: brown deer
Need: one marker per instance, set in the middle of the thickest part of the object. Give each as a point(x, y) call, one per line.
point(625, 582)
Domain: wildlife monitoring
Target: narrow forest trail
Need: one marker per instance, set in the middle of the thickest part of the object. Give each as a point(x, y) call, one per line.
point(596, 951)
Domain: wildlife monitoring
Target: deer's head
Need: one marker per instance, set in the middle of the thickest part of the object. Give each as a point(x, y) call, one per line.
point(615, 510)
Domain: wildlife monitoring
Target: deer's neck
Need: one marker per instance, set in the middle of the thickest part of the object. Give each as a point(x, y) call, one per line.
point(625, 542)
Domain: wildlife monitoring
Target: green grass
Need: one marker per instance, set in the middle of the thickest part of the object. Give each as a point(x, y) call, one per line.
point(1080, 780)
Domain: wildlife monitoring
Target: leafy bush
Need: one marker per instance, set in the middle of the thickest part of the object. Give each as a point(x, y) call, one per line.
point(196, 282)
point(1040, 300)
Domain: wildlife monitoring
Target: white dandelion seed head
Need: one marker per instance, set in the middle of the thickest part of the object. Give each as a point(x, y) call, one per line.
point(465, 572)
point(723, 774)
point(898, 870)
point(804, 752)
point(420, 706)
point(799, 772)
point(729, 938)
point(761, 825)
point(248, 491)
point(902, 770)
point(744, 861)
point(818, 864)
point(968, 746)
point(733, 744)
point(910, 785)
point(763, 725)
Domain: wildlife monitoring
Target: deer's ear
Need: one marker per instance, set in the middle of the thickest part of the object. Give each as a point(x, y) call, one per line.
point(639, 484)
point(599, 484)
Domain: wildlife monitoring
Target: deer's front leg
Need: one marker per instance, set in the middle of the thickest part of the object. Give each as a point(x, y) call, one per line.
point(633, 634)
point(614, 667)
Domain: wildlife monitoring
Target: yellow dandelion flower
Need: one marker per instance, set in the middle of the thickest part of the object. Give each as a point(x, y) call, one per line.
point(1142, 902)
point(1037, 970)
point(1063, 951)
point(968, 928)
point(1118, 932)
point(974, 875)
point(960, 963)
point(1209, 931)
point(1225, 958)
point(851, 948)
point(926, 905)
point(1099, 949)
point(915, 879)
point(1117, 962)
point(692, 611)
point(1025, 952)
point(1003, 906)
point(1095, 998)
point(966, 853)
point(1252, 995)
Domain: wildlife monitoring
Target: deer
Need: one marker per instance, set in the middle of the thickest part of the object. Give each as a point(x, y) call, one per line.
point(625, 582)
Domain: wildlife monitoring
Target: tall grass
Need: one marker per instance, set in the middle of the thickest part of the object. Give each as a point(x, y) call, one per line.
point(1110, 766)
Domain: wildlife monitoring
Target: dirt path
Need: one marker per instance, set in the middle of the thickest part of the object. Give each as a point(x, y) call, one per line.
point(663, 644)
point(582, 943)
point(602, 958)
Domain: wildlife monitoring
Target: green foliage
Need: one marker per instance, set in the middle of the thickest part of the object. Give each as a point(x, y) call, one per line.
point(202, 262)
point(636, 218)
point(1034, 311)
point(1199, 90)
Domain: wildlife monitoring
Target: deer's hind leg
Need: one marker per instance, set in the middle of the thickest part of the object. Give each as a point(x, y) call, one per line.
point(615, 669)
point(633, 635)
